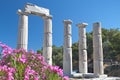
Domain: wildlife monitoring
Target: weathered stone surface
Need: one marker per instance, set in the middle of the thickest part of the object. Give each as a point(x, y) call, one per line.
point(67, 29)
point(34, 9)
point(83, 61)
point(67, 41)
point(97, 49)
point(47, 42)
point(67, 61)
point(88, 76)
point(98, 64)
point(82, 25)
point(102, 78)
point(22, 32)
point(82, 48)
point(48, 54)
point(23, 29)
point(82, 43)
point(67, 52)
point(47, 24)
point(97, 30)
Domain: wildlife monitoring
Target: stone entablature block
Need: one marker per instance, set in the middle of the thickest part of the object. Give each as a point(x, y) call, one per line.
point(34, 9)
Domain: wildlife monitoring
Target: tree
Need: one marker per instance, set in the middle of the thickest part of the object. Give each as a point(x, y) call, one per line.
point(111, 48)
point(75, 56)
point(57, 56)
point(111, 41)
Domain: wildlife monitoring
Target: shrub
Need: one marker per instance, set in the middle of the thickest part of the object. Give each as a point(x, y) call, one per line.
point(23, 65)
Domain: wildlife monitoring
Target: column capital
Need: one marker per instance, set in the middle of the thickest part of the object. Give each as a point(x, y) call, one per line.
point(82, 25)
point(20, 12)
point(47, 16)
point(67, 21)
point(97, 24)
point(97, 28)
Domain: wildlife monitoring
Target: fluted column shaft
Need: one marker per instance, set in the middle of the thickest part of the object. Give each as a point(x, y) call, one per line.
point(67, 53)
point(97, 49)
point(82, 48)
point(22, 31)
point(47, 42)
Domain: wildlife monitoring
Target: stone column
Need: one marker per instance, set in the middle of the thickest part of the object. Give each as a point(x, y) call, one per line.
point(47, 43)
point(82, 48)
point(97, 49)
point(22, 30)
point(67, 52)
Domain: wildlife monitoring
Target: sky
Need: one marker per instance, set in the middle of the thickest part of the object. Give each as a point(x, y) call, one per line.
point(90, 11)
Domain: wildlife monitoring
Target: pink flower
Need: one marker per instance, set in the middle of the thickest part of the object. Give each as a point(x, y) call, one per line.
point(3, 45)
point(65, 78)
point(9, 71)
point(26, 77)
point(60, 72)
point(5, 49)
point(36, 77)
point(23, 58)
point(30, 63)
point(40, 57)
point(15, 51)
point(33, 57)
point(28, 72)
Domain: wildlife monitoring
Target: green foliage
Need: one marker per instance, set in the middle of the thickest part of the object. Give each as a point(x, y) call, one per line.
point(113, 70)
point(75, 56)
point(111, 43)
point(111, 48)
point(89, 45)
point(39, 51)
point(57, 56)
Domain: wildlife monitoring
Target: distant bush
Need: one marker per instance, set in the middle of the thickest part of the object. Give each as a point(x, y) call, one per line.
point(113, 70)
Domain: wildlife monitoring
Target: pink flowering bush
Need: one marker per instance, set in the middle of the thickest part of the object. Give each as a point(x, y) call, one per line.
point(23, 65)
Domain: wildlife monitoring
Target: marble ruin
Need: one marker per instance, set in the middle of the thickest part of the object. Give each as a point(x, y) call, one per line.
point(97, 49)
point(67, 51)
point(82, 48)
point(23, 29)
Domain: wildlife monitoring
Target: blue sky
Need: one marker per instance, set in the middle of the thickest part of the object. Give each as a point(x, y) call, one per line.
point(105, 11)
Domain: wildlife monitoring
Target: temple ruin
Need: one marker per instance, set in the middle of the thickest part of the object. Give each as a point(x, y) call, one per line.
point(67, 51)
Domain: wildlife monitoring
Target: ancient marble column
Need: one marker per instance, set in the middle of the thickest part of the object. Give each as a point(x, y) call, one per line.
point(47, 42)
point(82, 48)
point(22, 30)
point(97, 49)
point(67, 52)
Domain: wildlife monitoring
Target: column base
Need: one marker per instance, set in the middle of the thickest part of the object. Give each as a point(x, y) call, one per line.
point(100, 76)
point(87, 75)
point(91, 76)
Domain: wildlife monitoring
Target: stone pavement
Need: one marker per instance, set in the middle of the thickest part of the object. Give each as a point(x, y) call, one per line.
point(108, 78)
